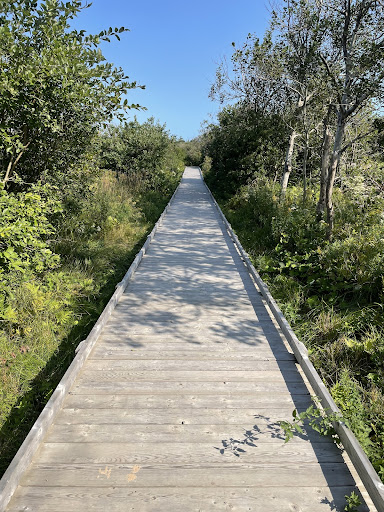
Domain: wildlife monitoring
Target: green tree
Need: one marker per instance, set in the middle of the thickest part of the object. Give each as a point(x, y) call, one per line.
point(56, 88)
point(352, 55)
point(298, 37)
point(244, 146)
point(145, 152)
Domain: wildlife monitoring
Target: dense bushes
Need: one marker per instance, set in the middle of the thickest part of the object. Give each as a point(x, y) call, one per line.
point(145, 153)
point(243, 146)
point(24, 229)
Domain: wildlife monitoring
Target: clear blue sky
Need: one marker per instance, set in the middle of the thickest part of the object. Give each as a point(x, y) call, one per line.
point(173, 48)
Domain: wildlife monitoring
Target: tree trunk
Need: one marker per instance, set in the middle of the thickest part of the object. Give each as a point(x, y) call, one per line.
point(334, 164)
point(327, 137)
point(12, 164)
point(305, 162)
point(288, 164)
point(14, 161)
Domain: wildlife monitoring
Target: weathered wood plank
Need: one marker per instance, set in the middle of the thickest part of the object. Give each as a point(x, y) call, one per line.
point(213, 300)
point(193, 376)
point(269, 364)
point(241, 334)
point(167, 351)
point(258, 475)
point(84, 386)
point(189, 454)
point(118, 433)
point(258, 340)
point(160, 318)
point(181, 499)
point(186, 317)
point(206, 296)
point(173, 412)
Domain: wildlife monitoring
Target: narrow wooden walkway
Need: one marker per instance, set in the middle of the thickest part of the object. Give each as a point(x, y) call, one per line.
point(176, 409)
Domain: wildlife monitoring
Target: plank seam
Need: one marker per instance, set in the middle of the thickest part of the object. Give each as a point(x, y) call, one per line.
point(24, 455)
point(362, 464)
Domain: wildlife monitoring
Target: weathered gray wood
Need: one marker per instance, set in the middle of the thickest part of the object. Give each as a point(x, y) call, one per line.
point(117, 386)
point(211, 403)
point(201, 340)
point(218, 499)
point(118, 433)
point(267, 364)
point(188, 315)
point(164, 351)
point(188, 454)
point(193, 376)
point(176, 412)
point(258, 475)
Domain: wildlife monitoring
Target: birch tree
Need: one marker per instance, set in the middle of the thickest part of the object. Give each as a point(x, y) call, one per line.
point(353, 58)
point(299, 36)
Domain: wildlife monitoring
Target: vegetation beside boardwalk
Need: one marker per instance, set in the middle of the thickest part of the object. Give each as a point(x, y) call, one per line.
point(77, 199)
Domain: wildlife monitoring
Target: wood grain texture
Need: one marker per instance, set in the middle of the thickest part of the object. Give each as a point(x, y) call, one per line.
point(193, 376)
point(167, 351)
point(252, 433)
point(268, 364)
point(118, 386)
point(181, 499)
point(258, 475)
point(176, 410)
point(189, 454)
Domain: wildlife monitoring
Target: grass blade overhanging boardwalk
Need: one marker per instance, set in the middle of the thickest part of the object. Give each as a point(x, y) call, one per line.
point(176, 406)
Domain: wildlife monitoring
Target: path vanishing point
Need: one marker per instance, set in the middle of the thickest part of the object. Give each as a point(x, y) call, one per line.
point(176, 408)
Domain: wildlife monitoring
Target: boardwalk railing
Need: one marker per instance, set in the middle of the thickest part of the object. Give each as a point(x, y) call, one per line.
point(363, 466)
point(23, 457)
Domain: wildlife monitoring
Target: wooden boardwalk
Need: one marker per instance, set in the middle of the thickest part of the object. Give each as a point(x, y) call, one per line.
point(176, 408)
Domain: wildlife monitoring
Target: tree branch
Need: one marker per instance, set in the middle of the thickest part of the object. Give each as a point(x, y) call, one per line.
point(359, 137)
point(12, 164)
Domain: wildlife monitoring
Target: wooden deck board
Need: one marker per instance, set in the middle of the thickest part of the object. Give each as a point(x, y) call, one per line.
point(177, 406)
point(181, 499)
point(183, 376)
point(210, 475)
point(264, 432)
point(213, 405)
point(188, 454)
point(166, 351)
